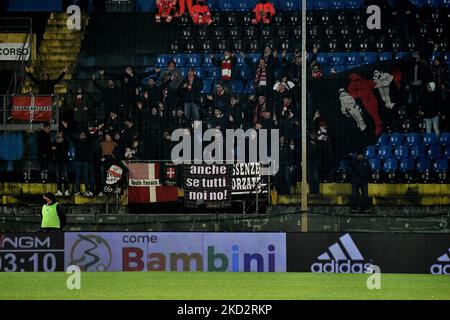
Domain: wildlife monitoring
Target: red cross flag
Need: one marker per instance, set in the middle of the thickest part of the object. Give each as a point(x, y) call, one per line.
point(144, 184)
point(32, 108)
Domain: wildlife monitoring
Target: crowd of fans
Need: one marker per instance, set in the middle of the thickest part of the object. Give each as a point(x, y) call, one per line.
point(131, 116)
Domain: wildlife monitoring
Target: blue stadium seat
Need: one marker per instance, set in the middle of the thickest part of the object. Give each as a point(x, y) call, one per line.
point(353, 58)
point(447, 152)
point(194, 60)
point(385, 56)
point(423, 164)
point(337, 58)
point(337, 4)
point(354, 4)
point(207, 86)
point(369, 57)
point(385, 152)
point(225, 5)
point(180, 59)
point(396, 139)
point(18, 146)
point(412, 139)
point(244, 5)
point(201, 72)
point(162, 60)
point(370, 152)
point(254, 57)
point(8, 147)
point(445, 139)
point(249, 89)
point(245, 73)
point(2, 147)
point(435, 152)
point(214, 73)
point(322, 4)
point(417, 3)
point(400, 55)
point(375, 164)
point(401, 152)
point(417, 151)
point(406, 165)
point(289, 5)
point(237, 86)
point(240, 60)
point(184, 71)
point(390, 165)
point(323, 58)
point(383, 140)
point(446, 55)
point(207, 61)
point(440, 166)
point(430, 139)
point(432, 3)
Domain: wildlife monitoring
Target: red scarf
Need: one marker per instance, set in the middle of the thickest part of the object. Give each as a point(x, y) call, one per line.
point(261, 76)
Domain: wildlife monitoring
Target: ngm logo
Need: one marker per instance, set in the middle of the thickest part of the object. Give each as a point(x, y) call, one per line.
point(342, 257)
point(24, 242)
point(443, 265)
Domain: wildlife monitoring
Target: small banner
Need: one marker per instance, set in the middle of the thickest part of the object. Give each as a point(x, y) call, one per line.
point(145, 183)
point(207, 185)
point(32, 108)
point(247, 179)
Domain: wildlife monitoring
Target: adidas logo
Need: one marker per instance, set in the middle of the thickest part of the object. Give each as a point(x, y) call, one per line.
point(342, 257)
point(443, 267)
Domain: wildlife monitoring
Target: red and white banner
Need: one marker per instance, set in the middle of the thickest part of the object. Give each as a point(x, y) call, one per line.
point(32, 108)
point(144, 184)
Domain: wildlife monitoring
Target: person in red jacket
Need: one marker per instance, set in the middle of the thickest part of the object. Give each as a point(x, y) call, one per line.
point(165, 9)
point(264, 11)
point(182, 6)
point(200, 13)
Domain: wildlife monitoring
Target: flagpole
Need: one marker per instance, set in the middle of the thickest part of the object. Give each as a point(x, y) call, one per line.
point(304, 164)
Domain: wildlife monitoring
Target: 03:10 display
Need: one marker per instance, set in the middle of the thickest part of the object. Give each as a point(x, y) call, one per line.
point(12, 263)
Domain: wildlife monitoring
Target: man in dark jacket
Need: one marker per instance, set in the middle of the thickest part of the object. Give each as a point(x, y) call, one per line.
point(46, 85)
point(84, 152)
point(431, 108)
point(44, 144)
point(360, 173)
point(192, 87)
point(111, 95)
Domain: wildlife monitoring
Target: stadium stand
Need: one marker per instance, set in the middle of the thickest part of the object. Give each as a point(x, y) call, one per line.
point(113, 41)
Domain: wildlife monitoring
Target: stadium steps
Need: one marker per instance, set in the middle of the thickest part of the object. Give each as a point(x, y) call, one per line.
point(381, 194)
point(59, 48)
point(36, 200)
point(344, 200)
point(331, 194)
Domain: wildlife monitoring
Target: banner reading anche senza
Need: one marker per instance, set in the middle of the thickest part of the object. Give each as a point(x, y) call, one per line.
point(181, 251)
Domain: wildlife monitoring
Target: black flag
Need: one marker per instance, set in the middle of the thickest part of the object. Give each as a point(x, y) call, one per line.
point(359, 104)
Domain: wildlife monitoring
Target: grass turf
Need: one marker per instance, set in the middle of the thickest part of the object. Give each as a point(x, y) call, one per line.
point(221, 286)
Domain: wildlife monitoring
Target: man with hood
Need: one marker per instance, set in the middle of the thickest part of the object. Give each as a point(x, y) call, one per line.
point(432, 108)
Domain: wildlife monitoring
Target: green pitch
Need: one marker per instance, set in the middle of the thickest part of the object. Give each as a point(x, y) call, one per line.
point(121, 285)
